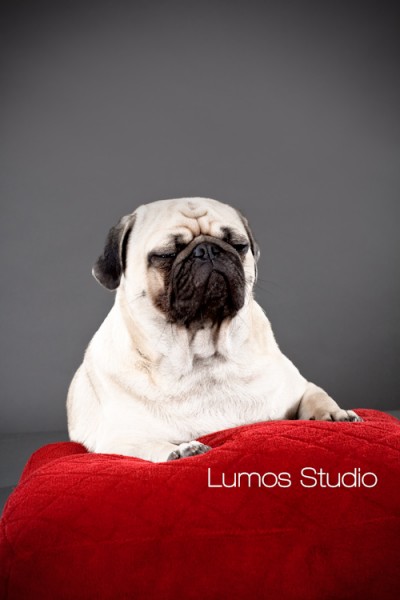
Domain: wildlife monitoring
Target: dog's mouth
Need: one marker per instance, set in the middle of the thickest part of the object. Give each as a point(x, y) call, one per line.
point(206, 283)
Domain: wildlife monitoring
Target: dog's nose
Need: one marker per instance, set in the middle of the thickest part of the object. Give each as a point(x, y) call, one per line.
point(206, 251)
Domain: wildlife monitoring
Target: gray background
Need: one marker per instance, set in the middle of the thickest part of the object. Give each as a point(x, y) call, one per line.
point(288, 111)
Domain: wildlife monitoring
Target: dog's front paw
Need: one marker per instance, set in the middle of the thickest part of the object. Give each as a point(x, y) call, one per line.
point(188, 449)
point(336, 415)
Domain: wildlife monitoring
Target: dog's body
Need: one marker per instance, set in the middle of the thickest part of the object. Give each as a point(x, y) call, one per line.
point(185, 350)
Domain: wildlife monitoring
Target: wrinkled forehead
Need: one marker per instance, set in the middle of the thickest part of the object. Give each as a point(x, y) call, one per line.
point(188, 218)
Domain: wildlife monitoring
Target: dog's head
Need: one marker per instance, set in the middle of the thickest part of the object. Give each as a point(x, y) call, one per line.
point(193, 259)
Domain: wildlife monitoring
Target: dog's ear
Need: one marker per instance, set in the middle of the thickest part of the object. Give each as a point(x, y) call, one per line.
point(111, 264)
point(253, 244)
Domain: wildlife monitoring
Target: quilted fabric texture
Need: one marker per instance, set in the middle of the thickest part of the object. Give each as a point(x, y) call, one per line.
point(91, 526)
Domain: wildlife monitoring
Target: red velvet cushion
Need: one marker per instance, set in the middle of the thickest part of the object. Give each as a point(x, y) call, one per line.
point(91, 526)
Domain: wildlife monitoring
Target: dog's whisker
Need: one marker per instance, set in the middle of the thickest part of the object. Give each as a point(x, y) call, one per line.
point(269, 282)
point(135, 298)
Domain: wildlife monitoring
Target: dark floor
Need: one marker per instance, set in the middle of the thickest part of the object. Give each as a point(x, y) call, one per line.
point(15, 449)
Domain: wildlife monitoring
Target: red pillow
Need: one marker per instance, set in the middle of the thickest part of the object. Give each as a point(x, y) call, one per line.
point(96, 526)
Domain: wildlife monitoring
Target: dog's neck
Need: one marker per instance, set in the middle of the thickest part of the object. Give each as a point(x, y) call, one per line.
point(179, 350)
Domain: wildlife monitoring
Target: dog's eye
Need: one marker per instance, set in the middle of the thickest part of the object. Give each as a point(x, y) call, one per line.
point(161, 258)
point(241, 248)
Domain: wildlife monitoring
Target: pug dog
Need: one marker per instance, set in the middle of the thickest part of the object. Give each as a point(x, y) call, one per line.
point(185, 350)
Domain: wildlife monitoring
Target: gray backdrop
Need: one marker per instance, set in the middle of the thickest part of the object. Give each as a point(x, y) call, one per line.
point(288, 111)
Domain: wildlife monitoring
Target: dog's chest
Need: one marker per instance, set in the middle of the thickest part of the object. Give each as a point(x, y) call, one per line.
point(218, 394)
